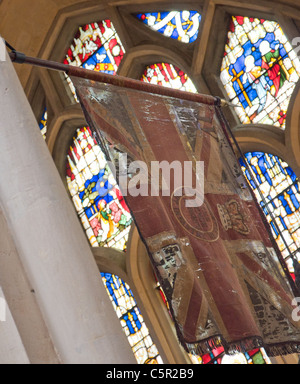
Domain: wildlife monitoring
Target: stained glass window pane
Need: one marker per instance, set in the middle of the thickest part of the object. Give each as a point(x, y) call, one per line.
point(43, 123)
point(179, 25)
point(97, 47)
point(169, 76)
point(131, 320)
point(217, 356)
point(259, 70)
point(95, 194)
point(279, 199)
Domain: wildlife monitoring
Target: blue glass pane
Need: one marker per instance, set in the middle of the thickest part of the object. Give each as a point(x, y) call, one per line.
point(279, 197)
point(259, 70)
point(131, 319)
point(179, 25)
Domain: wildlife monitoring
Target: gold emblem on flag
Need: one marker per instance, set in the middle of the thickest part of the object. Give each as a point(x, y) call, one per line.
point(232, 218)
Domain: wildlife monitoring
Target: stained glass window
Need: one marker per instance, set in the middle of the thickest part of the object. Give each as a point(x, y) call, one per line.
point(97, 47)
point(217, 356)
point(259, 70)
point(43, 123)
point(95, 194)
point(131, 320)
point(279, 199)
point(179, 25)
point(168, 75)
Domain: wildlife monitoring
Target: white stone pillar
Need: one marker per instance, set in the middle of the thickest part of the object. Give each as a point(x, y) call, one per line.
point(49, 239)
point(12, 350)
point(21, 300)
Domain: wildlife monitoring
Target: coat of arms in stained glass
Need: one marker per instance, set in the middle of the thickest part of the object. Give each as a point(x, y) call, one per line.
point(179, 25)
point(259, 71)
point(97, 47)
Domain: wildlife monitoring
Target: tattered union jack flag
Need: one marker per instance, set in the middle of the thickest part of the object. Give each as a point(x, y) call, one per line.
point(217, 262)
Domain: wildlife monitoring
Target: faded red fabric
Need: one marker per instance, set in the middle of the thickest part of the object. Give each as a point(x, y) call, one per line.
point(216, 263)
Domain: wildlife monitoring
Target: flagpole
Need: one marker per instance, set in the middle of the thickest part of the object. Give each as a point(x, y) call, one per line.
point(120, 81)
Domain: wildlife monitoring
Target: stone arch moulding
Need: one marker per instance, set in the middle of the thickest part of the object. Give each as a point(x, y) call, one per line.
point(60, 31)
point(63, 130)
point(141, 33)
point(267, 138)
point(248, 144)
point(137, 58)
point(293, 127)
point(66, 24)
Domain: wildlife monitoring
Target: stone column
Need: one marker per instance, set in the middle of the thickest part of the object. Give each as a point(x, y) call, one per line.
point(50, 242)
point(21, 301)
point(12, 350)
